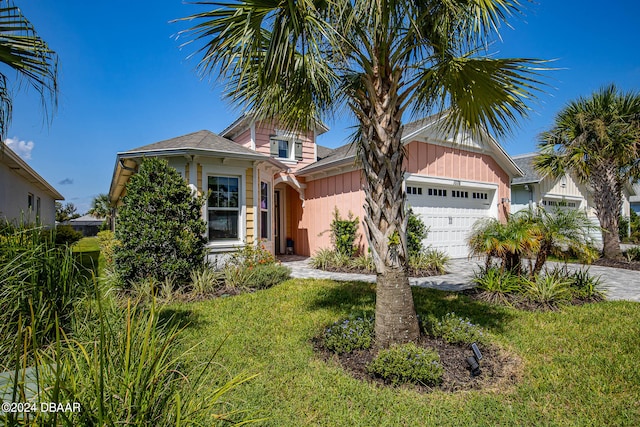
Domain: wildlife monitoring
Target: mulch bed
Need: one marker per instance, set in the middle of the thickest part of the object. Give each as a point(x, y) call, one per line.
point(500, 370)
point(627, 265)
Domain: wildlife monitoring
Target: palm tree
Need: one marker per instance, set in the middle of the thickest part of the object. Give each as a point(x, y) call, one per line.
point(510, 242)
point(25, 52)
point(101, 208)
point(561, 229)
point(299, 61)
point(597, 139)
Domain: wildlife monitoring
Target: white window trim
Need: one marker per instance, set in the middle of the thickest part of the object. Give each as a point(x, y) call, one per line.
point(291, 157)
point(217, 170)
point(268, 210)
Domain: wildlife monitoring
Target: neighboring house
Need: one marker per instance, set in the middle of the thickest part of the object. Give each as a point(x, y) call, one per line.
point(25, 197)
point(534, 189)
point(634, 200)
point(88, 225)
point(272, 184)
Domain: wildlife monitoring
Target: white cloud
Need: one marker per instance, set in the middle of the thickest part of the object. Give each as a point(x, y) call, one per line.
point(21, 148)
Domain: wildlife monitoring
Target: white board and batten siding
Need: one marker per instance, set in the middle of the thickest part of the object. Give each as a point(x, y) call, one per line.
point(450, 208)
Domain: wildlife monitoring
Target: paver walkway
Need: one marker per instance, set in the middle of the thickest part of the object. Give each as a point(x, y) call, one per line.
point(619, 284)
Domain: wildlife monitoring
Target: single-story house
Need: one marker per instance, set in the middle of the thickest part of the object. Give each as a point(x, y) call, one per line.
point(268, 183)
point(88, 225)
point(534, 189)
point(25, 197)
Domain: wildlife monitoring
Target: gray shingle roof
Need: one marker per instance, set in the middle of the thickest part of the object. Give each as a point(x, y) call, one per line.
point(525, 163)
point(339, 155)
point(323, 151)
point(202, 140)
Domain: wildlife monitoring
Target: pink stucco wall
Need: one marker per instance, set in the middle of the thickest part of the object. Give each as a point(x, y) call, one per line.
point(345, 190)
point(321, 197)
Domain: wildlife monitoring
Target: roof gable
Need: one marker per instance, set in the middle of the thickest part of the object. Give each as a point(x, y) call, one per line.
point(426, 130)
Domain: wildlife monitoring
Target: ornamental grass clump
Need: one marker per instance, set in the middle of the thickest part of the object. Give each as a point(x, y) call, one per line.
point(348, 335)
point(454, 329)
point(408, 363)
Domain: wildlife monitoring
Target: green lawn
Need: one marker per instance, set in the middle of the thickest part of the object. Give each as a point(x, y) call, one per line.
point(580, 365)
point(87, 244)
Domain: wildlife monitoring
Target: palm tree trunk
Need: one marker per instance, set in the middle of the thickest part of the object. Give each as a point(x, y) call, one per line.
point(382, 155)
point(607, 196)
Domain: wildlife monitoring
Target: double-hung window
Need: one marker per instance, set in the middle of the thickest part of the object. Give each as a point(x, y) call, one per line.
point(223, 207)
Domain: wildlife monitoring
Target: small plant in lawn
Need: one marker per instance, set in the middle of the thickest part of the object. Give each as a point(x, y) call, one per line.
point(495, 285)
point(454, 329)
point(345, 336)
point(408, 363)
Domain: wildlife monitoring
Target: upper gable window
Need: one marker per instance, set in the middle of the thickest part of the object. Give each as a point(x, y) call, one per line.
point(286, 147)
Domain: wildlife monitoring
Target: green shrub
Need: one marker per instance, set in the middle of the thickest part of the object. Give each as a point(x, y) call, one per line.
point(454, 329)
point(417, 231)
point(429, 262)
point(159, 226)
point(495, 285)
point(66, 235)
point(344, 233)
point(408, 364)
point(268, 275)
point(549, 290)
point(350, 334)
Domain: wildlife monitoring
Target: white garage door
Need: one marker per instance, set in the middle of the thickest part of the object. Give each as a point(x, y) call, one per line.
point(450, 213)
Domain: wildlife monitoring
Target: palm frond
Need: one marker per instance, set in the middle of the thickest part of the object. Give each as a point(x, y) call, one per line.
point(22, 49)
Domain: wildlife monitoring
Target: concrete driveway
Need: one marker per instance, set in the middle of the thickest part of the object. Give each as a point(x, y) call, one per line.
point(619, 284)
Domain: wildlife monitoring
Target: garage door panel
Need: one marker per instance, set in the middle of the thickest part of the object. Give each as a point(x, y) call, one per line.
point(450, 220)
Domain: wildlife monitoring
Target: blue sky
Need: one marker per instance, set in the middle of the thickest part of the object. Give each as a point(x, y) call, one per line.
point(124, 82)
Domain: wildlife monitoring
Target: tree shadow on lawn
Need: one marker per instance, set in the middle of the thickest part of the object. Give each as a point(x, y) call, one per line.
point(357, 297)
point(179, 318)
